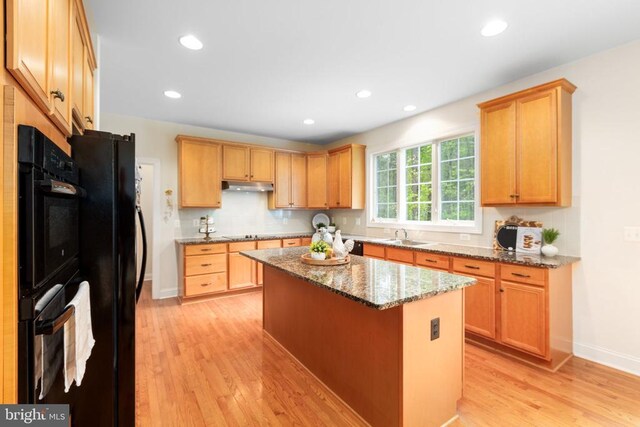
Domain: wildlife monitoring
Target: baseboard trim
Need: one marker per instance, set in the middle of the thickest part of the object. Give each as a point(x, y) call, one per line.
point(168, 293)
point(148, 277)
point(612, 359)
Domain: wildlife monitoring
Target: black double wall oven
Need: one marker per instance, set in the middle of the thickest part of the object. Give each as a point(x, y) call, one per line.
point(49, 207)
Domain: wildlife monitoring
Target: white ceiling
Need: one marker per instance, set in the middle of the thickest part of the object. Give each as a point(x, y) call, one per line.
point(269, 64)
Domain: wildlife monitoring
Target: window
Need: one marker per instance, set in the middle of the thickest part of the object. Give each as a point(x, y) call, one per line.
point(433, 183)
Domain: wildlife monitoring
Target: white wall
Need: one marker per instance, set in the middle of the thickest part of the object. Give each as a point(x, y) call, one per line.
point(241, 213)
point(606, 189)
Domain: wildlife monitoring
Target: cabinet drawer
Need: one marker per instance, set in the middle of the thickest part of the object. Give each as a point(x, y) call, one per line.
point(474, 267)
point(290, 243)
point(374, 251)
point(204, 284)
point(522, 274)
point(431, 260)
point(205, 264)
point(219, 248)
point(269, 244)
point(242, 246)
point(305, 241)
point(400, 255)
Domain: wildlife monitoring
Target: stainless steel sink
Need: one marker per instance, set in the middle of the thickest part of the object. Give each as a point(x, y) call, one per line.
point(405, 242)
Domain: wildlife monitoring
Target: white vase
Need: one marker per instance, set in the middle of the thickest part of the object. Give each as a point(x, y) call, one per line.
point(318, 255)
point(331, 229)
point(549, 250)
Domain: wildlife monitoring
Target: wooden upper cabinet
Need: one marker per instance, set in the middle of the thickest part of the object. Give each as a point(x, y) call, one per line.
point(498, 154)
point(298, 181)
point(88, 91)
point(537, 148)
point(526, 147)
point(77, 69)
point(235, 165)
point(261, 165)
point(290, 189)
point(346, 177)
point(317, 181)
point(60, 48)
point(282, 187)
point(199, 165)
point(48, 49)
point(28, 48)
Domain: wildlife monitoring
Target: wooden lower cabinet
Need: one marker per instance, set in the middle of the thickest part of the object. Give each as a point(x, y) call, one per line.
point(480, 307)
point(202, 270)
point(523, 317)
point(242, 270)
point(205, 284)
point(265, 244)
point(520, 310)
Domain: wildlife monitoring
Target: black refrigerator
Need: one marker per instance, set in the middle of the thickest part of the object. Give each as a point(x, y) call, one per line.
point(107, 256)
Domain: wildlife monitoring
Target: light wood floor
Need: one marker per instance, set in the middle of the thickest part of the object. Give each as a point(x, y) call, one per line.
point(209, 364)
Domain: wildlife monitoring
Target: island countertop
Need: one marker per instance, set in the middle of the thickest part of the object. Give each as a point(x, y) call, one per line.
point(375, 283)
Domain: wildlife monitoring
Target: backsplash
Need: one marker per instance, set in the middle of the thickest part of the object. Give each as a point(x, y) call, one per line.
point(567, 220)
point(244, 213)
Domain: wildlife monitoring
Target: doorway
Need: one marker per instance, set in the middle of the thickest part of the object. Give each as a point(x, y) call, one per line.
point(149, 170)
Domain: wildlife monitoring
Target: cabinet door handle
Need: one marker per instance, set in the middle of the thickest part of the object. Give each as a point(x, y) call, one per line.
point(205, 265)
point(246, 176)
point(251, 176)
point(526, 276)
point(501, 290)
point(473, 267)
point(204, 285)
point(89, 119)
point(513, 196)
point(430, 260)
point(57, 94)
point(206, 250)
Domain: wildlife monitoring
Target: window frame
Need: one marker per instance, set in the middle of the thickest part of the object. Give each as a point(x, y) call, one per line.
point(450, 226)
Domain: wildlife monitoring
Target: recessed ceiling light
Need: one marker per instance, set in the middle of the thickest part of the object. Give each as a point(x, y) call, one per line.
point(364, 93)
point(191, 42)
point(308, 121)
point(408, 108)
point(494, 28)
point(172, 94)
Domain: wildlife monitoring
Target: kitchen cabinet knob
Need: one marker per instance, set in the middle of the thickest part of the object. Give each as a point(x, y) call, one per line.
point(57, 94)
point(337, 203)
point(513, 196)
point(89, 119)
point(246, 176)
point(501, 290)
point(251, 176)
point(473, 267)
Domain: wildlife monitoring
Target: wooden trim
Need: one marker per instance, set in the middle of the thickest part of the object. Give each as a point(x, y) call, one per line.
point(563, 83)
point(346, 147)
point(229, 293)
point(180, 137)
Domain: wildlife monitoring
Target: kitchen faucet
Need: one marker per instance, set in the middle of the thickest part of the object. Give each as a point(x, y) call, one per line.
point(406, 235)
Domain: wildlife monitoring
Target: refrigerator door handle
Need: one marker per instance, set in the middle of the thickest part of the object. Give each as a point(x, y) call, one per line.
point(143, 261)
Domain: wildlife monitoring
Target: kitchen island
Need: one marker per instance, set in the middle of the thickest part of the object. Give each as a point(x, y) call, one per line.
point(367, 331)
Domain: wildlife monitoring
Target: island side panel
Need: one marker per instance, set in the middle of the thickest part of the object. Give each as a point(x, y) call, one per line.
point(353, 349)
point(432, 379)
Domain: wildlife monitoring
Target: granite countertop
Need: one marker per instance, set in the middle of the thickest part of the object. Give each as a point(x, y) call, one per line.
point(375, 283)
point(231, 239)
point(476, 252)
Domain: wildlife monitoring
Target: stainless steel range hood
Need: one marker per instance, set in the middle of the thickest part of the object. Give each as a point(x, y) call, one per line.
point(247, 186)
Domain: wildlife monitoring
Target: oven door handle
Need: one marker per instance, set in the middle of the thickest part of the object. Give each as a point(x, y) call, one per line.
point(50, 327)
point(59, 187)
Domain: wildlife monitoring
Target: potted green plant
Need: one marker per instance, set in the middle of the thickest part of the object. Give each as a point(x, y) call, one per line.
point(319, 249)
point(549, 235)
point(332, 228)
point(320, 226)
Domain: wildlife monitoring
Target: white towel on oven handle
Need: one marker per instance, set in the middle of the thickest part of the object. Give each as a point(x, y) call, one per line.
point(78, 338)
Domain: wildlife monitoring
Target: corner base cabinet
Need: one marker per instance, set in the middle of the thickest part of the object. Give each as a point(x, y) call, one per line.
point(526, 147)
